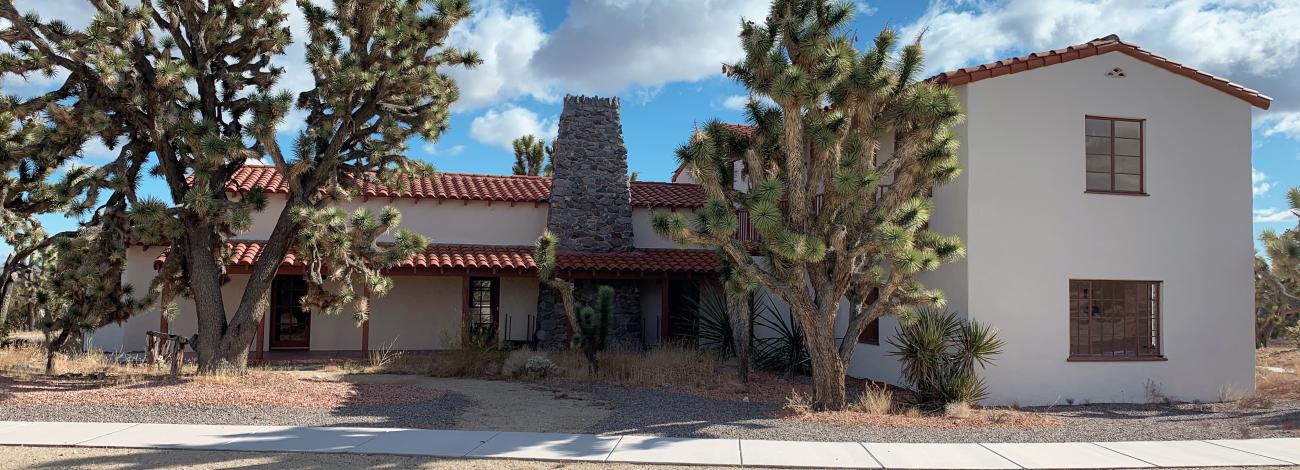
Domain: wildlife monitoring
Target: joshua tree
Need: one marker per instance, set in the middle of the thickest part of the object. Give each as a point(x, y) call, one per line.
point(530, 154)
point(837, 216)
point(1277, 279)
point(544, 256)
point(194, 87)
point(593, 327)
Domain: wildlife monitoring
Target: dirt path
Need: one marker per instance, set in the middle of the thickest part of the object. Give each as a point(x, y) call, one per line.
point(513, 406)
point(92, 458)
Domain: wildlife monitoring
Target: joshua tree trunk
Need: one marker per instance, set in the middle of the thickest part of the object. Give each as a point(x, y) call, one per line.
point(741, 331)
point(52, 347)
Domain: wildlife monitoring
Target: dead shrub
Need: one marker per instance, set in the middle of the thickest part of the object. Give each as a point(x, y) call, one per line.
point(799, 403)
point(959, 410)
point(875, 400)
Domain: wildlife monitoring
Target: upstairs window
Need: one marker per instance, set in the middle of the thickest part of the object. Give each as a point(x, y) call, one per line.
point(1114, 320)
point(1114, 155)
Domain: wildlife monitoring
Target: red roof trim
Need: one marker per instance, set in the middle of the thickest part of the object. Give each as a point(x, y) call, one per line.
point(512, 257)
point(1097, 46)
point(477, 187)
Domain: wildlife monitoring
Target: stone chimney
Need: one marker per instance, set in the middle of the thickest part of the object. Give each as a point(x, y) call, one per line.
point(591, 208)
point(590, 211)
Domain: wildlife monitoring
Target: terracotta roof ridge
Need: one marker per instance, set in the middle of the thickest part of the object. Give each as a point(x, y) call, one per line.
point(1102, 45)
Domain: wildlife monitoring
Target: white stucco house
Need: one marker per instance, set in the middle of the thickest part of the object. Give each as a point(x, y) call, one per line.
point(1105, 204)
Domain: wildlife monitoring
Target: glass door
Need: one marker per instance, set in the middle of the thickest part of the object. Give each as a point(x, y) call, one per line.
point(290, 323)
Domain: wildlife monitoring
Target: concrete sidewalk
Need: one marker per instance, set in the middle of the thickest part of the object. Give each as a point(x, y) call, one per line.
point(655, 450)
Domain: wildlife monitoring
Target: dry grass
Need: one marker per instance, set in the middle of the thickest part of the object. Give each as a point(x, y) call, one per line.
point(874, 400)
point(1272, 385)
point(958, 410)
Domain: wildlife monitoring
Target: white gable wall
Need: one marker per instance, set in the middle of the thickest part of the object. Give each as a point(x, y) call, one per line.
point(1031, 229)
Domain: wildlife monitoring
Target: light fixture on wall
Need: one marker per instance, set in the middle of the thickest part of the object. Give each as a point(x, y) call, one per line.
point(1115, 73)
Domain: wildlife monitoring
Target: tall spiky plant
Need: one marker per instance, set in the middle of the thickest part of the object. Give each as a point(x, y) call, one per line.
point(530, 154)
point(592, 334)
point(940, 352)
point(194, 84)
point(838, 217)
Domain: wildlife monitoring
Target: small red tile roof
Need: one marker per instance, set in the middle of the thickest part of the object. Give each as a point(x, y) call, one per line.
point(477, 187)
point(672, 195)
point(514, 257)
point(1111, 43)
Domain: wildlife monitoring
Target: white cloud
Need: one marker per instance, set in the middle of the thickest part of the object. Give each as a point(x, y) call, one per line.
point(1252, 43)
point(432, 149)
point(1259, 183)
point(864, 8)
point(507, 42)
point(501, 127)
point(1281, 123)
point(735, 102)
point(606, 46)
point(1272, 214)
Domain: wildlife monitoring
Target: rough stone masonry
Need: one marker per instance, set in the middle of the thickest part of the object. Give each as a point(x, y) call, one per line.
point(590, 211)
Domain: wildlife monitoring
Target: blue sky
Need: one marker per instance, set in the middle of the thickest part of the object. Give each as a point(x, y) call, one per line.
point(663, 57)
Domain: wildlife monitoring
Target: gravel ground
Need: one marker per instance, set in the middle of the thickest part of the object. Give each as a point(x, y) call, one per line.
point(669, 414)
point(91, 458)
point(512, 406)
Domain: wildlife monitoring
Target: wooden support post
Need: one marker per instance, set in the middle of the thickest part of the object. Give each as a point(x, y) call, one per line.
point(663, 311)
point(365, 339)
point(261, 336)
point(162, 312)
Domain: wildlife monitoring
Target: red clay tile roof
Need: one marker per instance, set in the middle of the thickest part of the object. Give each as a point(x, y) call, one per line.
point(453, 257)
point(673, 195)
point(475, 187)
point(1097, 46)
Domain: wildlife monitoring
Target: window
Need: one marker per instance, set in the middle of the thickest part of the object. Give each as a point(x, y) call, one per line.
point(1114, 320)
point(871, 333)
point(1113, 151)
point(484, 300)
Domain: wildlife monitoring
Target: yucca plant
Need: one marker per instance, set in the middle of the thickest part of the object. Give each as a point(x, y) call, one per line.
point(940, 351)
point(713, 325)
point(785, 351)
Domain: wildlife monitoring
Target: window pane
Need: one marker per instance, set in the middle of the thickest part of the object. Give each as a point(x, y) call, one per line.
point(1132, 165)
point(1099, 181)
point(1099, 163)
point(1098, 145)
point(1125, 182)
point(1099, 127)
point(1128, 147)
point(1130, 129)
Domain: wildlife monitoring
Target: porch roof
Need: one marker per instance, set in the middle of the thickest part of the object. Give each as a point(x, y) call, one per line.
point(450, 259)
point(476, 187)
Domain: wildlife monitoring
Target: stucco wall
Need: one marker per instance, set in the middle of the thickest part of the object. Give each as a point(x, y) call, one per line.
point(1032, 229)
point(471, 222)
point(130, 336)
point(645, 236)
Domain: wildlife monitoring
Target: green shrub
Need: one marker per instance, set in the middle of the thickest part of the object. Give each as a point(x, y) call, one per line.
point(939, 351)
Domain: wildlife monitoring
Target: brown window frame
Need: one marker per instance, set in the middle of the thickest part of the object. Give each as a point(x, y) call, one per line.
point(1142, 160)
point(1081, 338)
point(493, 307)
